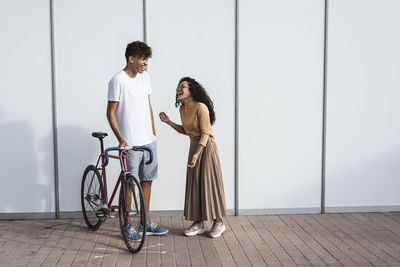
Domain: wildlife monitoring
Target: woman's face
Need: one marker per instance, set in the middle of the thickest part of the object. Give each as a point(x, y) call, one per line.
point(183, 91)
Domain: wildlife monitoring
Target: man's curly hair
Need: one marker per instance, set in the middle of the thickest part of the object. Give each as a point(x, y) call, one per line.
point(137, 48)
point(199, 94)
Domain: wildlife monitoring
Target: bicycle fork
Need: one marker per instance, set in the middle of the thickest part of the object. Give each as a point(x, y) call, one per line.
point(127, 210)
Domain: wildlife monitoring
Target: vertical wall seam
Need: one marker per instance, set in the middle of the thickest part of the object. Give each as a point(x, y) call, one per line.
point(144, 22)
point(236, 108)
point(54, 111)
point(324, 108)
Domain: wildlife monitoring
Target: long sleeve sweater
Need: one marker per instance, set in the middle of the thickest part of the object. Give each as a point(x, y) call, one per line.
point(196, 122)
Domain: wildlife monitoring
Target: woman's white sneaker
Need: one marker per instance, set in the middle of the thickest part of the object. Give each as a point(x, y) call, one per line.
point(217, 229)
point(197, 228)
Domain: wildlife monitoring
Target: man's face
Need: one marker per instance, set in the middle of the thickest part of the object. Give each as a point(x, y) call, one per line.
point(139, 63)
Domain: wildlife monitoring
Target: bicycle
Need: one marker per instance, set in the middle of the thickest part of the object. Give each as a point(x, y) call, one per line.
point(96, 206)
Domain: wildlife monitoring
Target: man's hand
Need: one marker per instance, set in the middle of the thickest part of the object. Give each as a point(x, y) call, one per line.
point(123, 143)
point(164, 117)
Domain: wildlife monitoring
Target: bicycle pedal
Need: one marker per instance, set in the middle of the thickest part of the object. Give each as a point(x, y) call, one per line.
point(114, 208)
point(102, 208)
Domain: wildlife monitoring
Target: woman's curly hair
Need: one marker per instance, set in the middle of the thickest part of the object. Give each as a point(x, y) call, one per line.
point(199, 94)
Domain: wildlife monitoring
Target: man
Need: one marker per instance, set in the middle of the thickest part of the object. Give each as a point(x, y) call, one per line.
point(130, 115)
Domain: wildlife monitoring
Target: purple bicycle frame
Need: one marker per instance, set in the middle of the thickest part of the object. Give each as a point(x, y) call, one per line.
point(103, 175)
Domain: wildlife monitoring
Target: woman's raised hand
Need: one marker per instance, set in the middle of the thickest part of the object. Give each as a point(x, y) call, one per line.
point(164, 117)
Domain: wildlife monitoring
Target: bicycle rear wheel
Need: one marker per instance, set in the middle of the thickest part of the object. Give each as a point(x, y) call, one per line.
point(91, 196)
point(132, 213)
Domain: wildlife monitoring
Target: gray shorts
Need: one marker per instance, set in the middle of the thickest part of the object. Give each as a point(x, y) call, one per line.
point(136, 163)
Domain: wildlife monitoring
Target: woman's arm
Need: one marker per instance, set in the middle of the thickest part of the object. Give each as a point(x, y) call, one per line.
point(196, 155)
point(179, 128)
point(205, 129)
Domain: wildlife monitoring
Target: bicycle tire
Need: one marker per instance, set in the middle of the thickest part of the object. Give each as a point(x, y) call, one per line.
point(136, 214)
point(96, 196)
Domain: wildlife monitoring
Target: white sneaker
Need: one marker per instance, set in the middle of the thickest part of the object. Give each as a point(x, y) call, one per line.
point(197, 228)
point(217, 229)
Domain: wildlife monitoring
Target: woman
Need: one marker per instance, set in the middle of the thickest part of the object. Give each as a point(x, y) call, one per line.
point(205, 198)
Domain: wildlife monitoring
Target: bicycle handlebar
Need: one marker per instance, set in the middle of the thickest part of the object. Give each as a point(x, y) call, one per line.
point(136, 148)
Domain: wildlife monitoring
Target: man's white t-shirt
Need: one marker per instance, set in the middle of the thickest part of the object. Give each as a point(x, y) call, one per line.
point(133, 111)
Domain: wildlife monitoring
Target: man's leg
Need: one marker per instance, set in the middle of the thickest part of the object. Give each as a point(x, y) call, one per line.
point(128, 194)
point(146, 187)
point(149, 174)
point(133, 161)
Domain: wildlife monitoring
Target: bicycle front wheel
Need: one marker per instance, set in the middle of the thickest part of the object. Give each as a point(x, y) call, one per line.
point(132, 213)
point(91, 196)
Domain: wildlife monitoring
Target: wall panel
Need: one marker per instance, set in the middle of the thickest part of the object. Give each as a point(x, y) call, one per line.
point(280, 105)
point(191, 38)
point(91, 37)
point(26, 130)
point(363, 144)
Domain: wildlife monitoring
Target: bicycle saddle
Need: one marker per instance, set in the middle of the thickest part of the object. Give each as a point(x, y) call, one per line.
point(99, 135)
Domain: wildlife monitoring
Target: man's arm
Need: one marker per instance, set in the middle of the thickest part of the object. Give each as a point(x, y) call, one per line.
point(112, 120)
point(152, 118)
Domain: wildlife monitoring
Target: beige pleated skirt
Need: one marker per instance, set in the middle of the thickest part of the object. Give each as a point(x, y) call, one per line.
point(205, 197)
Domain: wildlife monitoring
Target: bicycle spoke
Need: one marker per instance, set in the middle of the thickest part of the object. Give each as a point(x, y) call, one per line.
point(91, 196)
point(132, 214)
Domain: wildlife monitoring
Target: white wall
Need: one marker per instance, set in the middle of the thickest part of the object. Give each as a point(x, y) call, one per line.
point(196, 39)
point(363, 144)
point(91, 37)
point(280, 98)
point(280, 104)
point(26, 131)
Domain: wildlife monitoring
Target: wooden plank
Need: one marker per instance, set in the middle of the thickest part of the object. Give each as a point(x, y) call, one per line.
point(64, 229)
point(343, 246)
point(333, 222)
point(194, 249)
point(221, 247)
point(282, 247)
point(28, 244)
point(53, 232)
point(376, 238)
point(153, 247)
point(393, 226)
point(180, 246)
point(236, 250)
point(6, 248)
point(208, 248)
point(75, 230)
point(323, 238)
point(167, 243)
point(125, 257)
point(53, 257)
point(96, 253)
point(41, 255)
point(115, 241)
point(351, 239)
point(249, 225)
point(85, 249)
point(249, 249)
point(297, 242)
point(310, 241)
point(278, 251)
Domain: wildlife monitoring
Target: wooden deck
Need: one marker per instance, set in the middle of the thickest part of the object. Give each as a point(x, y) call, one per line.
point(350, 239)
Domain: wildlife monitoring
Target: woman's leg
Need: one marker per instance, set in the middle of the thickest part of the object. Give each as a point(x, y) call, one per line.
point(218, 228)
point(197, 228)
